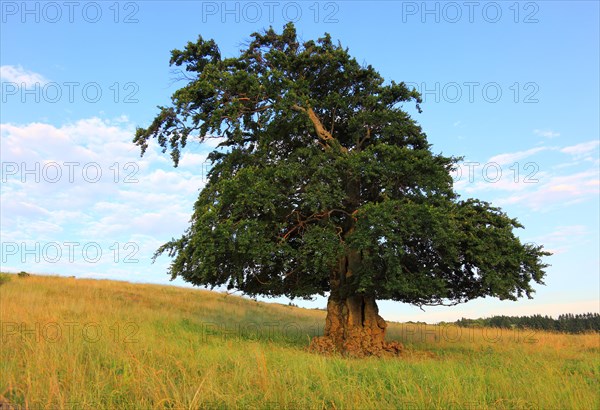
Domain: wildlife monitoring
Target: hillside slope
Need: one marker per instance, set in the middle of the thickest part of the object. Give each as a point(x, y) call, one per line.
point(72, 343)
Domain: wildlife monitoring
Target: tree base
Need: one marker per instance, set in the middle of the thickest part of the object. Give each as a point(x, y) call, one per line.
point(354, 328)
point(325, 345)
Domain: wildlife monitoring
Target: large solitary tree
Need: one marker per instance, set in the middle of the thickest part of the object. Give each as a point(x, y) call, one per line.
point(323, 185)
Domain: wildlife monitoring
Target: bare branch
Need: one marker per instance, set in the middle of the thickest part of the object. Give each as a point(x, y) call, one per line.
point(321, 131)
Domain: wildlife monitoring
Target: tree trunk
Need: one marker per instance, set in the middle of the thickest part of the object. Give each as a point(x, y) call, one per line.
point(353, 326)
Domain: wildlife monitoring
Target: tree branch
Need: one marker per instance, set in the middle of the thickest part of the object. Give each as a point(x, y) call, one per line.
point(361, 141)
point(321, 131)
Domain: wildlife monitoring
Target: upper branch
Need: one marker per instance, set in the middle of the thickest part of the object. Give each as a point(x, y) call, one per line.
point(321, 131)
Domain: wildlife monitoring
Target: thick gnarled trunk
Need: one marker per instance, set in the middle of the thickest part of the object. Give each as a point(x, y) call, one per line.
point(353, 326)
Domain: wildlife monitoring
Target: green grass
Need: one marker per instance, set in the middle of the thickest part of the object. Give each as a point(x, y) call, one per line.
point(4, 278)
point(88, 344)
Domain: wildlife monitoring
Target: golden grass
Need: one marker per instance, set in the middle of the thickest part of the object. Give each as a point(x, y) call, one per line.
point(89, 344)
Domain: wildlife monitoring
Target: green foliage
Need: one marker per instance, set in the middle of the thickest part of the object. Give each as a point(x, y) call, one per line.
point(23, 274)
point(318, 163)
point(4, 278)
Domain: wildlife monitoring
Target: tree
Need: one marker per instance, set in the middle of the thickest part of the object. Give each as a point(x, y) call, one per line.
point(323, 185)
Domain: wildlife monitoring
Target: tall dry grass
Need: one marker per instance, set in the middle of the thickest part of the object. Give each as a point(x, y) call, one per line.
point(89, 344)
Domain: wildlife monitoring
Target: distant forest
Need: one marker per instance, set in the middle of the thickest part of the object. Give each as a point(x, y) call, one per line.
point(567, 323)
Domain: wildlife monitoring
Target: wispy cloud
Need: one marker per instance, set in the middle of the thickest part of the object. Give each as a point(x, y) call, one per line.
point(582, 149)
point(546, 133)
point(511, 157)
point(19, 75)
point(563, 238)
point(535, 179)
point(561, 191)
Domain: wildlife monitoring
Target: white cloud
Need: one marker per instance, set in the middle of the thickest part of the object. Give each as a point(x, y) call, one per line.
point(19, 75)
point(193, 160)
point(511, 180)
point(535, 183)
point(558, 191)
point(512, 157)
point(154, 207)
point(582, 149)
point(563, 238)
point(546, 133)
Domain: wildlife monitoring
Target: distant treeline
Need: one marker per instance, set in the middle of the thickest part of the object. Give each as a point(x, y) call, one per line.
point(567, 323)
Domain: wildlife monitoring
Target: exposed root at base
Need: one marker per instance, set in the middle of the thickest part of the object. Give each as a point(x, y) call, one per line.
point(326, 345)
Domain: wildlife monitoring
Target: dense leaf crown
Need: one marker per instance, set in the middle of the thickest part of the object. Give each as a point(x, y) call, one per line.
point(319, 161)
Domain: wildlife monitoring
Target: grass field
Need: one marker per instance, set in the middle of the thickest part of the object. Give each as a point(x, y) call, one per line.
point(91, 344)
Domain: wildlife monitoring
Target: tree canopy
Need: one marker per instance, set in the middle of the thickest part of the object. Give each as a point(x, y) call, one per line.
point(322, 183)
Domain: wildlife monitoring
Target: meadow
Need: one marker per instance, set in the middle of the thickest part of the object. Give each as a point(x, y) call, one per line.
point(98, 344)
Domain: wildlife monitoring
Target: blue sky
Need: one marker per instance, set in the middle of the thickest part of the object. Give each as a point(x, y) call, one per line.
point(511, 86)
